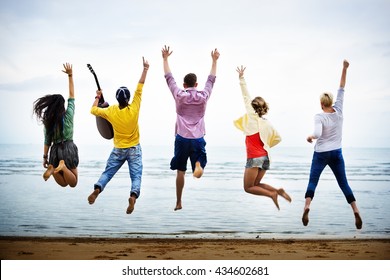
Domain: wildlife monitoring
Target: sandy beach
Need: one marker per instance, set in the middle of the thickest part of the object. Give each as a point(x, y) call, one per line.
point(43, 248)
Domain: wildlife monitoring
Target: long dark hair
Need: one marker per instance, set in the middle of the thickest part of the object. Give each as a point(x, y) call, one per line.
point(50, 109)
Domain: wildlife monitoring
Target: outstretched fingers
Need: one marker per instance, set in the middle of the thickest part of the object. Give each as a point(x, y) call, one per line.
point(166, 51)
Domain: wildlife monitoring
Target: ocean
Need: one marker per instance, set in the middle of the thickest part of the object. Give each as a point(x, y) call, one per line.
point(214, 206)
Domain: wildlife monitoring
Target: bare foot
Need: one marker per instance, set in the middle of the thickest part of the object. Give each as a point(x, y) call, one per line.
point(49, 171)
point(178, 207)
point(305, 217)
point(60, 166)
point(358, 220)
point(92, 197)
point(275, 200)
point(130, 209)
point(283, 194)
point(198, 172)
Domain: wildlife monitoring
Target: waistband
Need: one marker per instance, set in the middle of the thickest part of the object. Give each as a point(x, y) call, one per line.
point(187, 139)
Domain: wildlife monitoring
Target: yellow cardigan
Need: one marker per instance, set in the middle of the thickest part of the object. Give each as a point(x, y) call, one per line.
point(250, 123)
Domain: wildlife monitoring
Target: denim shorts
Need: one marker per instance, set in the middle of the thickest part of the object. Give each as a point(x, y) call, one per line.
point(194, 149)
point(260, 162)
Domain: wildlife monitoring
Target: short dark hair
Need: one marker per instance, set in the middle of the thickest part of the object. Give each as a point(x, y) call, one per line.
point(190, 80)
point(123, 96)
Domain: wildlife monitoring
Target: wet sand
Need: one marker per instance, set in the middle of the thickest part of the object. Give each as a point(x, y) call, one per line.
point(45, 248)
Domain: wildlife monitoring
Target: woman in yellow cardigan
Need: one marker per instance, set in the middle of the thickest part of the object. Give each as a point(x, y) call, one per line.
point(260, 137)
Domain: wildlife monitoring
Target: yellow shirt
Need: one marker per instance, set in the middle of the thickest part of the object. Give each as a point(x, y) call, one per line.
point(124, 121)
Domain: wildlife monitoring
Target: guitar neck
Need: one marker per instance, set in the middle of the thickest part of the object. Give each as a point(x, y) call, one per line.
point(97, 82)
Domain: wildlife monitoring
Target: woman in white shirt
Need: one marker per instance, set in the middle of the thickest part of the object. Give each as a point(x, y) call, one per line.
point(327, 150)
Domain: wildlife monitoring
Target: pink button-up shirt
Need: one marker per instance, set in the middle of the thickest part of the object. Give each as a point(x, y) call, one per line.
point(190, 107)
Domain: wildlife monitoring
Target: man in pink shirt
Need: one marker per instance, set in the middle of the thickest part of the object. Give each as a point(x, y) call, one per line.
point(190, 127)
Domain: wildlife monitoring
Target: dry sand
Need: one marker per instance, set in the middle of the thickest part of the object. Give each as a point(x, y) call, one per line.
point(43, 248)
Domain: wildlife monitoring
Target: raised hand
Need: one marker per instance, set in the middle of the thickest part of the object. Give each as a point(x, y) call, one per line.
point(68, 69)
point(166, 52)
point(240, 71)
point(145, 63)
point(345, 64)
point(215, 54)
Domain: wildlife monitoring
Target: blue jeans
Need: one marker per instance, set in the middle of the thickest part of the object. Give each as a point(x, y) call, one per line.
point(133, 156)
point(335, 161)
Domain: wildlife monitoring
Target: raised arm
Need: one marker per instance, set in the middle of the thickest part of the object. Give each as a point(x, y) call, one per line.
point(244, 90)
point(214, 56)
point(344, 74)
point(165, 54)
point(68, 70)
point(144, 71)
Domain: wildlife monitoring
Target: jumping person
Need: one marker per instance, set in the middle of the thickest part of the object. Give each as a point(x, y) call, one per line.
point(328, 128)
point(58, 135)
point(127, 147)
point(260, 137)
point(190, 126)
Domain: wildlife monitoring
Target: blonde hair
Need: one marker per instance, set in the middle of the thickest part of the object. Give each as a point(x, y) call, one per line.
point(326, 99)
point(260, 106)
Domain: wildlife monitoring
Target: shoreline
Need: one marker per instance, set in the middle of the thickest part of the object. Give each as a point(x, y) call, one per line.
point(103, 248)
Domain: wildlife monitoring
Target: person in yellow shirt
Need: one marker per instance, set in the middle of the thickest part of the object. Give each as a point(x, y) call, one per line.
point(124, 119)
point(260, 137)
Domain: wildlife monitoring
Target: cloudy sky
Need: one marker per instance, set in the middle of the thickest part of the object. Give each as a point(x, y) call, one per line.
point(293, 51)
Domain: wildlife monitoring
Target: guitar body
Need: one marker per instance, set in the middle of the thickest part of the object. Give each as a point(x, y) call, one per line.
point(104, 126)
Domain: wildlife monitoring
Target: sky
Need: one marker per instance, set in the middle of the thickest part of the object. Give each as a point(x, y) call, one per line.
point(293, 51)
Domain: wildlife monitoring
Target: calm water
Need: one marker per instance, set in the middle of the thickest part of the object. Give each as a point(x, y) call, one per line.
point(214, 206)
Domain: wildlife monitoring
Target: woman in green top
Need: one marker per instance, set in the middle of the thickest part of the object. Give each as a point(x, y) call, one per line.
point(58, 129)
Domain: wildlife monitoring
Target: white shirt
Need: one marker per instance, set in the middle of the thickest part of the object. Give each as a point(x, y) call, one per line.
point(328, 127)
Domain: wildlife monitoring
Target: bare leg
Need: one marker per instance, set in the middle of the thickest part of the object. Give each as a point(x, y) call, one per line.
point(358, 219)
point(69, 175)
point(130, 208)
point(252, 185)
point(280, 191)
point(306, 209)
point(198, 172)
point(59, 177)
point(179, 188)
point(92, 197)
point(49, 171)
point(283, 194)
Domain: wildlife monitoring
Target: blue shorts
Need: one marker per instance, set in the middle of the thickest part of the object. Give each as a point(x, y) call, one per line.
point(261, 162)
point(194, 149)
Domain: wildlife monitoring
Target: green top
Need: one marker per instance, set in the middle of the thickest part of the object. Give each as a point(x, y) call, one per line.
point(67, 133)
